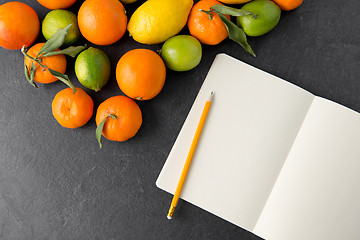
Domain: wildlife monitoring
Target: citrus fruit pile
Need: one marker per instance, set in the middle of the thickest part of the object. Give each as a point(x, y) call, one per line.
point(140, 73)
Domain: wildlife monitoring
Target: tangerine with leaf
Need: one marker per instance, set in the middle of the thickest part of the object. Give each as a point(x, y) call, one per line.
point(205, 25)
point(118, 119)
point(42, 74)
point(45, 63)
point(215, 25)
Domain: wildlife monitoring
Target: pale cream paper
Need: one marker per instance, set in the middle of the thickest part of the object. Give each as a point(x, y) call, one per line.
point(249, 131)
point(317, 194)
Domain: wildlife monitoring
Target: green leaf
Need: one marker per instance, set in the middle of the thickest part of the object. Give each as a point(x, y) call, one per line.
point(70, 51)
point(236, 34)
point(232, 11)
point(99, 131)
point(27, 75)
point(62, 77)
point(26, 71)
point(100, 128)
point(32, 72)
point(55, 41)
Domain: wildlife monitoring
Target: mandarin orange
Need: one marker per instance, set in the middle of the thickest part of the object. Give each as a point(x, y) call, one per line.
point(72, 110)
point(288, 5)
point(125, 120)
point(208, 28)
point(57, 4)
point(102, 22)
point(56, 63)
point(19, 25)
point(140, 74)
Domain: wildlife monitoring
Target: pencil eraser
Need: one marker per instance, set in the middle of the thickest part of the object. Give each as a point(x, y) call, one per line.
point(168, 217)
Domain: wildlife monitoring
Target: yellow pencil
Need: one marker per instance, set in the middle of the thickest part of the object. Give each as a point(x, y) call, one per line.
point(189, 157)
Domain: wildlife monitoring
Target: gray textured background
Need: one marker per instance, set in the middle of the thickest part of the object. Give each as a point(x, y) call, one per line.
point(56, 183)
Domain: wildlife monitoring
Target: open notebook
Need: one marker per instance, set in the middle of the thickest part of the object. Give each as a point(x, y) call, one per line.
point(272, 158)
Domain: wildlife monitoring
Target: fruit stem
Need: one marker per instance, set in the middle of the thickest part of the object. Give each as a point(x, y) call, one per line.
point(34, 59)
point(208, 12)
point(113, 116)
point(26, 55)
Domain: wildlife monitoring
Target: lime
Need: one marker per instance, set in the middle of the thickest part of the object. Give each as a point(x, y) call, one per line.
point(92, 68)
point(267, 17)
point(58, 19)
point(181, 53)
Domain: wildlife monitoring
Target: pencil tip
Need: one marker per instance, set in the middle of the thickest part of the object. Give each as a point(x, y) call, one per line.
point(211, 96)
point(168, 217)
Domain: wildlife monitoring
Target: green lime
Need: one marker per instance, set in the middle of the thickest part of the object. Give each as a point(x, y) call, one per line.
point(267, 17)
point(92, 68)
point(181, 53)
point(58, 19)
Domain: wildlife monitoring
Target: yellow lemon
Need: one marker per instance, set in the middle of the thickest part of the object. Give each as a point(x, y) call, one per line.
point(235, 1)
point(155, 21)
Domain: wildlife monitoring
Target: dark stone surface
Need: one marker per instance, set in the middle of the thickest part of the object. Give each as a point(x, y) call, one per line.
point(56, 183)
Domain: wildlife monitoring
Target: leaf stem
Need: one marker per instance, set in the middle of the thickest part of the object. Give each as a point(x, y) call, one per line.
point(208, 12)
point(113, 116)
point(218, 8)
point(26, 55)
point(37, 60)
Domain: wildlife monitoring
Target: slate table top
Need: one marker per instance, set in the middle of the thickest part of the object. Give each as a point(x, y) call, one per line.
point(56, 183)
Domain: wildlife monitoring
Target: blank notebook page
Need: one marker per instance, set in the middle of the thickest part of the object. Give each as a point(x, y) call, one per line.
point(250, 128)
point(317, 194)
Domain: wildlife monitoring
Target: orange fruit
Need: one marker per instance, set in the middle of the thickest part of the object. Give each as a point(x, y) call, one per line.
point(19, 25)
point(57, 4)
point(208, 29)
point(102, 22)
point(57, 63)
point(72, 110)
point(128, 118)
point(140, 74)
point(288, 5)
